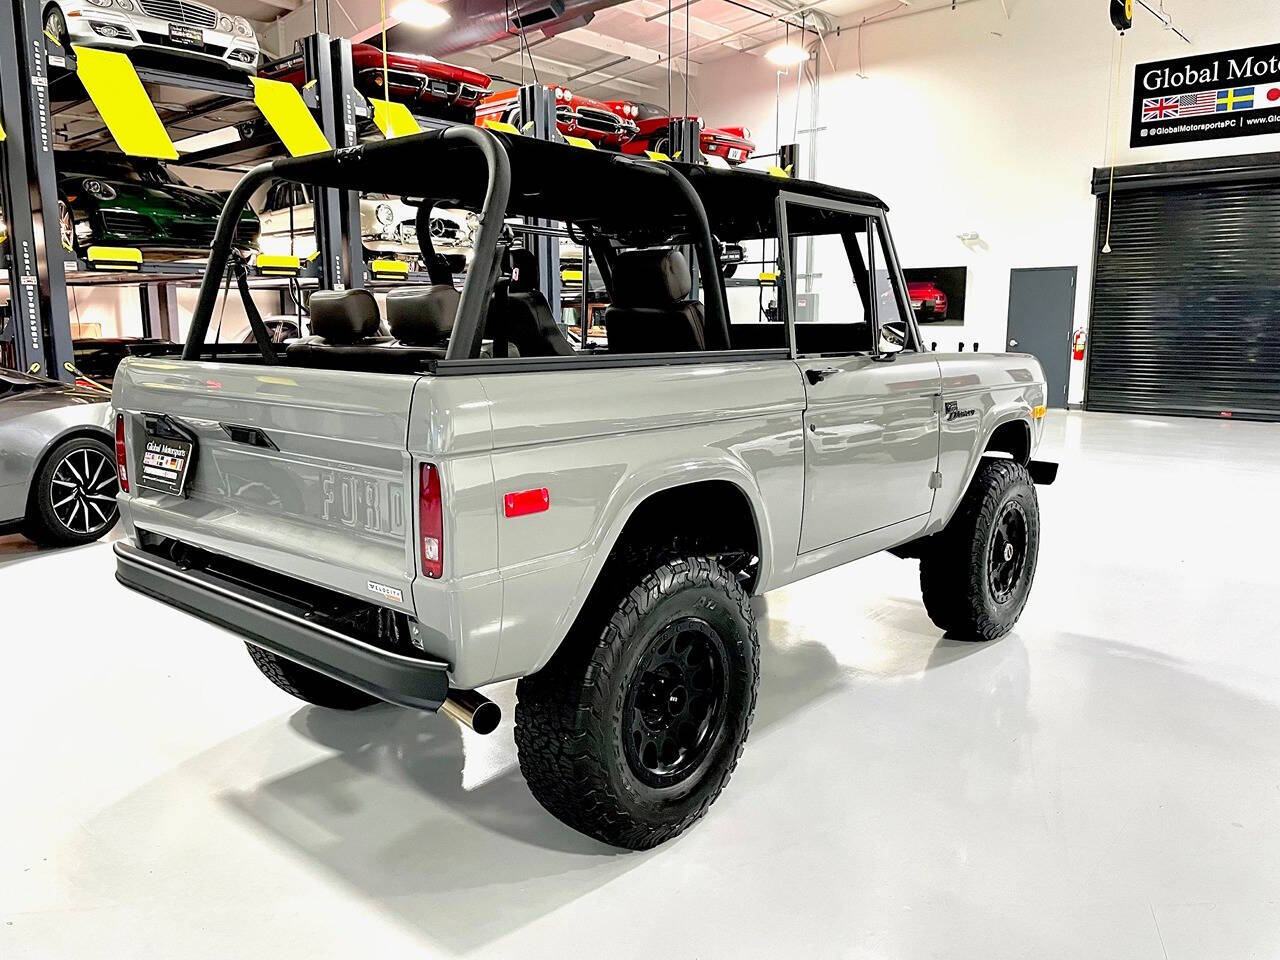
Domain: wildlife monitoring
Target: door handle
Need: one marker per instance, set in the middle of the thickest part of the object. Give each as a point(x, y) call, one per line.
point(817, 375)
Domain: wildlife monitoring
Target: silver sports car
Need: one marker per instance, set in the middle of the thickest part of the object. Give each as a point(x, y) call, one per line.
point(58, 478)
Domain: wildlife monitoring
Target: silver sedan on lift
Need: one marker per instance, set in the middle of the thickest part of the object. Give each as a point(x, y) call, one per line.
point(58, 479)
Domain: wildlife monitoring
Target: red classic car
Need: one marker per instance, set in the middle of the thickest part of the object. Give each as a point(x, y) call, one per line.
point(576, 116)
point(928, 301)
point(732, 144)
point(424, 84)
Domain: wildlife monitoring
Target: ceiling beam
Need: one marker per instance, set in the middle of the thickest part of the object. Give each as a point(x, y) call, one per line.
point(621, 48)
point(653, 12)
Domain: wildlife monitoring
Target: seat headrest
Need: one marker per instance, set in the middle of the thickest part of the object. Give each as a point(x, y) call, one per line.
point(650, 278)
point(524, 271)
point(422, 316)
point(344, 316)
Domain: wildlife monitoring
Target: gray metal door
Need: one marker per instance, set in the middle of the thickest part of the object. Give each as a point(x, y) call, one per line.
point(1042, 307)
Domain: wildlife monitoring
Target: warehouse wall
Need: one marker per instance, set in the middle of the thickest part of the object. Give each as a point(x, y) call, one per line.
point(960, 130)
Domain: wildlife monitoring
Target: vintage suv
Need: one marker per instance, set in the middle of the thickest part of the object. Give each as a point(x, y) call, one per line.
point(468, 499)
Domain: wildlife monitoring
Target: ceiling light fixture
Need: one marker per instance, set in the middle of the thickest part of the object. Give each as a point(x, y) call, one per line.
point(788, 54)
point(419, 13)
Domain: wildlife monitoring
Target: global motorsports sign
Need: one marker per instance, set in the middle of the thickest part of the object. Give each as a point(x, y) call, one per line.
point(1233, 94)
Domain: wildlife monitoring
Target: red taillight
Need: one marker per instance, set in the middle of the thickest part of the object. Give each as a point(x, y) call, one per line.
point(431, 522)
point(121, 459)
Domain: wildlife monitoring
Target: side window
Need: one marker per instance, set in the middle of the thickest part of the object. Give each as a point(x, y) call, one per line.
point(829, 288)
point(894, 331)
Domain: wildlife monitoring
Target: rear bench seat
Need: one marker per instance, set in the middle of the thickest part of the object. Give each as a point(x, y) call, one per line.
point(346, 325)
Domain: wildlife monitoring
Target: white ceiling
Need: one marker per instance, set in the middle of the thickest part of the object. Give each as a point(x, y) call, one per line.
point(626, 50)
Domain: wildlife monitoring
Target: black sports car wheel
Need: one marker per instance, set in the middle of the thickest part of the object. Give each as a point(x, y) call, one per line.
point(73, 499)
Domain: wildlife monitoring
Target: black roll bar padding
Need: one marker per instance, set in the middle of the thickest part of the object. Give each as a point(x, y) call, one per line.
point(705, 246)
point(219, 254)
point(260, 333)
point(468, 327)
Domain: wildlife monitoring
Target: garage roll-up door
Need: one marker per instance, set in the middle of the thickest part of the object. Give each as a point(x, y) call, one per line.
point(1186, 307)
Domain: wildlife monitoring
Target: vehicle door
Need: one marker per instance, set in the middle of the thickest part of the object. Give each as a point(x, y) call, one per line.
point(871, 424)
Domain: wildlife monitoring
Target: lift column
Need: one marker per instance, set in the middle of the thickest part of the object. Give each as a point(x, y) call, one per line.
point(538, 119)
point(28, 188)
point(341, 257)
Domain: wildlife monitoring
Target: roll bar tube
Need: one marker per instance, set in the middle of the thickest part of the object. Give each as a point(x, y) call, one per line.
point(219, 254)
point(705, 246)
point(468, 328)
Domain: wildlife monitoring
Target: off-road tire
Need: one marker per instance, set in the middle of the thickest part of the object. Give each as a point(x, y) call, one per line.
point(956, 567)
point(572, 715)
point(42, 523)
point(305, 684)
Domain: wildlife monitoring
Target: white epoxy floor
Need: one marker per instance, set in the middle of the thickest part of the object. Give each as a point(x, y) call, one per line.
point(1104, 782)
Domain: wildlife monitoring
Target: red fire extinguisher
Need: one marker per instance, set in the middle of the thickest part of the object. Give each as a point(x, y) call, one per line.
point(1077, 345)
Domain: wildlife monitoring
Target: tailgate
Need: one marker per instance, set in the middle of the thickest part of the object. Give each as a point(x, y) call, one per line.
point(301, 471)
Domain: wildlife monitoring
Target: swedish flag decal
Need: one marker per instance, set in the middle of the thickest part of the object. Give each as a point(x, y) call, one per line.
point(1237, 98)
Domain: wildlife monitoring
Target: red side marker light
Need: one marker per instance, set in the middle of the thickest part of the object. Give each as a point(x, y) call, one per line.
point(526, 501)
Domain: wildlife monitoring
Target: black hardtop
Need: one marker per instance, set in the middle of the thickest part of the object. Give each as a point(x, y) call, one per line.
point(616, 193)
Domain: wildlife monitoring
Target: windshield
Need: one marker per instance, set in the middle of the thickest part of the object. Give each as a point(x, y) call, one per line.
point(119, 170)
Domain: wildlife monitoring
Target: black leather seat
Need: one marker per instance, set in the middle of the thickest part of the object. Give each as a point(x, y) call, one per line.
point(343, 317)
point(347, 324)
point(521, 312)
point(423, 316)
point(651, 310)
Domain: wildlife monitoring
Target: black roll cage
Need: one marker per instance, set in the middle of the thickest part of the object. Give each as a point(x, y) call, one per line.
point(341, 169)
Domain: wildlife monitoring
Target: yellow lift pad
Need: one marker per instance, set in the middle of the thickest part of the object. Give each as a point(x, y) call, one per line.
point(278, 265)
point(768, 279)
point(582, 142)
point(394, 119)
point(571, 276)
point(656, 155)
point(779, 172)
point(114, 88)
point(114, 258)
point(282, 105)
point(389, 269)
point(502, 126)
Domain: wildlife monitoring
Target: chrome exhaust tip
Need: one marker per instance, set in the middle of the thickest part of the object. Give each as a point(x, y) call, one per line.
point(473, 710)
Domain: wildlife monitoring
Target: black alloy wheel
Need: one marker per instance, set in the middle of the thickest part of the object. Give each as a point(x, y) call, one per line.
point(73, 496)
point(674, 708)
point(1008, 554)
point(82, 492)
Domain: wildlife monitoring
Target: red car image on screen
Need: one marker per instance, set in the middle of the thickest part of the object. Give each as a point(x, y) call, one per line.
point(928, 302)
point(653, 132)
point(576, 116)
point(424, 84)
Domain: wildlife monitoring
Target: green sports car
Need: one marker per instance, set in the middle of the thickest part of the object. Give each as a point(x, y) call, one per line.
point(112, 200)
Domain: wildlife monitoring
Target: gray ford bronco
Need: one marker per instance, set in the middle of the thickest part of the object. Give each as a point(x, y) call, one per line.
point(425, 497)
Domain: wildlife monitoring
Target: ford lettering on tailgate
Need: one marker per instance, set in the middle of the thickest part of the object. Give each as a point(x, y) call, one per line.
point(363, 503)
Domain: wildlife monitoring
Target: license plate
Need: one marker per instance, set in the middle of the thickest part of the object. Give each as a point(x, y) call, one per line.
point(184, 36)
point(164, 464)
point(735, 153)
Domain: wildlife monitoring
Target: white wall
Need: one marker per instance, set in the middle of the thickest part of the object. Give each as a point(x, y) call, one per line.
point(960, 130)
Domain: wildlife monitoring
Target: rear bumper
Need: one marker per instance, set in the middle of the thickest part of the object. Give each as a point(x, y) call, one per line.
point(270, 622)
